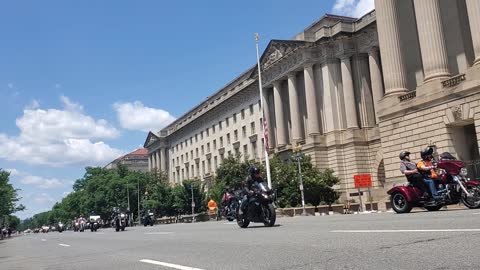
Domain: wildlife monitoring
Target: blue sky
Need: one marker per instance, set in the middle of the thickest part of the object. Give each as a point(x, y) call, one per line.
point(83, 81)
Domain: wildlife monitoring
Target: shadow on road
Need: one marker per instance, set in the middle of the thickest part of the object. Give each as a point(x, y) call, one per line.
point(263, 226)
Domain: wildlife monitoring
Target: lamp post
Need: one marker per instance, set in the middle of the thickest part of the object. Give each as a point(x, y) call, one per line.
point(193, 204)
point(138, 200)
point(297, 150)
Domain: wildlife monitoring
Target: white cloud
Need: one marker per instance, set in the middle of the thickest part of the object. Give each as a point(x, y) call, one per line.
point(10, 85)
point(41, 182)
point(60, 137)
point(12, 171)
point(353, 8)
point(43, 199)
point(33, 105)
point(136, 116)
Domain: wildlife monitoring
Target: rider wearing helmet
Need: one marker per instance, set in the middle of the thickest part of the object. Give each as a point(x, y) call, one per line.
point(409, 169)
point(253, 176)
point(426, 168)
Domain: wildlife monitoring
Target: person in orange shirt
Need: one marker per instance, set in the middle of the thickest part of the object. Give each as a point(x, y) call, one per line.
point(427, 169)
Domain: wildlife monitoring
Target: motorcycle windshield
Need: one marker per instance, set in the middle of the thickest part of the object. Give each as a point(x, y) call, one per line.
point(262, 187)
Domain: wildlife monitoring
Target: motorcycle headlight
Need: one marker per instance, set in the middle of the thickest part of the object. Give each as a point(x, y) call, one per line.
point(463, 172)
point(265, 196)
point(122, 215)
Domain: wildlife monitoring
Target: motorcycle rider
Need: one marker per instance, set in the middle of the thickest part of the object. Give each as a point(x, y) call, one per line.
point(427, 169)
point(254, 176)
point(409, 169)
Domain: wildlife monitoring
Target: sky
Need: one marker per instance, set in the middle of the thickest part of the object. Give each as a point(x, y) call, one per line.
point(82, 82)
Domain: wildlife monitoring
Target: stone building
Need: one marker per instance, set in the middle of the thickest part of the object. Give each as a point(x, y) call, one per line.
point(133, 161)
point(352, 92)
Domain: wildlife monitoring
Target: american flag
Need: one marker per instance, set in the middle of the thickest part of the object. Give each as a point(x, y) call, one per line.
point(265, 132)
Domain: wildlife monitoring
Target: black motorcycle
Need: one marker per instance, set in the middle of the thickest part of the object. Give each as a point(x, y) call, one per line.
point(119, 221)
point(230, 202)
point(148, 219)
point(259, 207)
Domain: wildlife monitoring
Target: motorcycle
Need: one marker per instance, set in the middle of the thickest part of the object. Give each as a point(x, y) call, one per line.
point(259, 208)
point(148, 219)
point(94, 223)
point(81, 225)
point(230, 202)
point(60, 227)
point(454, 187)
point(119, 221)
point(76, 226)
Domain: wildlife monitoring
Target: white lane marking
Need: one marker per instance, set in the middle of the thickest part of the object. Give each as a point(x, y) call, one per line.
point(44, 240)
point(476, 214)
point(158, 233)
point(63, 245)
point(171, 265)
point(397, 231)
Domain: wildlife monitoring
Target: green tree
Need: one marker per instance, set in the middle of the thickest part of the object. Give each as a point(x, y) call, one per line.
point(8, 197)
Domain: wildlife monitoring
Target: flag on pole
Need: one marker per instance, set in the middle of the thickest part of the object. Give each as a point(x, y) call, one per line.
point(265, 132)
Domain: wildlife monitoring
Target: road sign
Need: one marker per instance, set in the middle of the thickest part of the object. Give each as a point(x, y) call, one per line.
point(362, 180)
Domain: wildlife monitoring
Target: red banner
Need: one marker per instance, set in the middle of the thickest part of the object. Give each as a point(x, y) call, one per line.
point(362, 180)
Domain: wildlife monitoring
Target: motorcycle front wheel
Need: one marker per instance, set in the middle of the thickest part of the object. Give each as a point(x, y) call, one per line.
point(400, 204)
point(472, 202)
point(270, 215)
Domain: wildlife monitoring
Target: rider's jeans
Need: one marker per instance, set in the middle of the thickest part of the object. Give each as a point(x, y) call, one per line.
point(431, 186)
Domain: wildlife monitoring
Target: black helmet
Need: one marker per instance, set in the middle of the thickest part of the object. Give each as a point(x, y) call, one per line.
point(253, 170)
point(426, 152)
point(403, 154)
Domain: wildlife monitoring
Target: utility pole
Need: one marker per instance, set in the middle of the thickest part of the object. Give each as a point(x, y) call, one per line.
point(138, 200)
point(298, 156)
point(193, 204)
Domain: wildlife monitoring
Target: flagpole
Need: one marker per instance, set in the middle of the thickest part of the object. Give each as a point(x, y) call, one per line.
point(265, 140)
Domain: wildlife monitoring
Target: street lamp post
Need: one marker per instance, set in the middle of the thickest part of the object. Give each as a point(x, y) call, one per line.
point(193, 204)
point(138, 200)
point(297, 150)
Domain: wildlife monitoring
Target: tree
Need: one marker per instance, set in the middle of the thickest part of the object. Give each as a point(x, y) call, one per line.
point(8, 197)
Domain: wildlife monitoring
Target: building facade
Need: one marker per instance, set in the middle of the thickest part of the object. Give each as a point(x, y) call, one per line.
point(352, 92)
point(133, 161)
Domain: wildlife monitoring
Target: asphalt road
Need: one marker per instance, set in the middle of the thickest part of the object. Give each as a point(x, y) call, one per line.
point(422, 240)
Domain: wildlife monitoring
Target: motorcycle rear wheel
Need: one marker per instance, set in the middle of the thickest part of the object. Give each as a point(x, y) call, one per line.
point(242, 221)
point(399, 203)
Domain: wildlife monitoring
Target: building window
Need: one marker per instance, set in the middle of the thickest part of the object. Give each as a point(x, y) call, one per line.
point(263, 147)
point(193, 172)
point(181, 145)
point(196, 138)
point(196, 152)
point(191, 140)
point(203, 167)
point(209, 165)
point(215, 162)
point(245, 151)
point(213, 129)
point(208, 147)
point(261, 123)
point(235, 135)
point(221, 142)
point(251, 109)
point(222, 157)
point(201, 135)
point(198, 170)
point(203, 150)
point(178, 161)
point(234, 118)
point(183, 174)
point(237, 152)
point(254, 150)
point(186, 143)
point(220, 125)
point(173, 176)
point(228, 138)
point(227, 122)
point(252, 128)
point(173, 162)
point(187, 173)
point(208, 133)
point(242, 112)
point(186, 157)
point(214, 145)
point(229, 153)
point(191, 154)
point(182, 159)
point(244, 132)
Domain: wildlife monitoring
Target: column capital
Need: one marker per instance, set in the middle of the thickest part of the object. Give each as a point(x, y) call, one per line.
point(374, 50)
point(277, 83)
point(344, 57)
point(308, 65)
point(292, 75)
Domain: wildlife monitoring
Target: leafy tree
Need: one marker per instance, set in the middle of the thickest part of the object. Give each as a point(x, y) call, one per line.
point(8, 197)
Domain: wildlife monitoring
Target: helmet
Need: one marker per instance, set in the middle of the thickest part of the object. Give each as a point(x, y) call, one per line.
point(253, 171)
point(403, 154)
point(426, 152)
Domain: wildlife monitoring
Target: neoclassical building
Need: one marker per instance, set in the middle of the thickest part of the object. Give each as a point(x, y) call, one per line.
point(352, 92)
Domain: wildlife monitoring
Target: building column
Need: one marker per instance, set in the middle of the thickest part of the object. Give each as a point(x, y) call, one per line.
point(294, 108)
point(431, 37)
point(311, 98)
point(157, 159)
point(349, 93)
point(473, 9)
point(362, 78)
point(389, 39)
point(279, 116)
point(329, 99)
point(149, 162)
point(376, 78)
point(163, 159)
point(268, 118)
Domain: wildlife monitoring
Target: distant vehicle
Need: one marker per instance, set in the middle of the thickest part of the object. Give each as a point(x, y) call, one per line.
point(28, 231)
point(119, 219)
point(148, 218)
point(60, 227)
point(94, 223)
point(45, 229)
